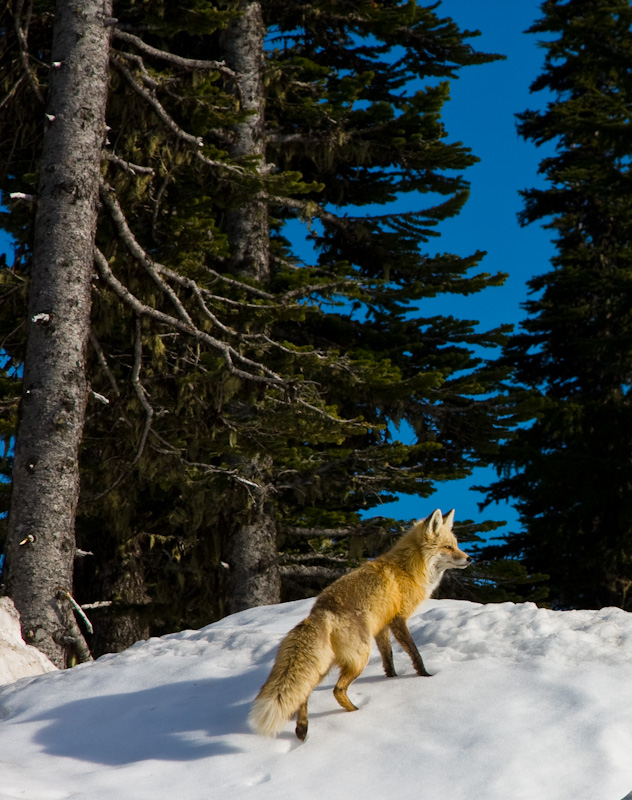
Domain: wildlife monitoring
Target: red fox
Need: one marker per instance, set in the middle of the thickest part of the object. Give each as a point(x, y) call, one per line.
point(367, 602)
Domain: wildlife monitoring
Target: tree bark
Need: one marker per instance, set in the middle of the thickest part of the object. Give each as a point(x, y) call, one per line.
point(251, 548)
point(41, 538)
point(247, 226)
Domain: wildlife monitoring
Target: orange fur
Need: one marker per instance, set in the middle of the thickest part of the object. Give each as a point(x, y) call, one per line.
point(364, 604)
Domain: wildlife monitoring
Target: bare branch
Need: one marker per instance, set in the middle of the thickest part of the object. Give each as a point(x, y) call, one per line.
point(195, 142)
point(152, 100)
point(260, 373)
point(73, 635)
point(12, 90)
point(240, 285)
point(308, 209)
point(332, 533)
point(315, 559)
point(110, 202)
point(157, 199)
point(21, 34)
point(96, 346)
point(299, 571)
point(155, 270)
point(139, 390)
point(337, 420)
point(134, 169)
point(171, 58)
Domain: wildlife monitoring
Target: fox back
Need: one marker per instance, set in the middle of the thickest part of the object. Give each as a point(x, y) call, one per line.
point(395, 583)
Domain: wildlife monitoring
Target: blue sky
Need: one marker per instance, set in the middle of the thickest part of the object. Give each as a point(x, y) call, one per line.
point(481, 115)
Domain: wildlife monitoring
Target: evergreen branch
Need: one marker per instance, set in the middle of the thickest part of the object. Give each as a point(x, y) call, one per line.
point(171, 58)
point(324, 414)
point(319, 411)
point(305, 291)
point(231, 473)
point(334, 283)
point(230, 355)
point(265, 338)
point(308, 208)
point(310, 139)
point(196, 142)
point(155, 269)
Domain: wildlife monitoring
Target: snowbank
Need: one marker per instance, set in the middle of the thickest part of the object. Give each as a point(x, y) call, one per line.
point(524, 704)
point(17, 660)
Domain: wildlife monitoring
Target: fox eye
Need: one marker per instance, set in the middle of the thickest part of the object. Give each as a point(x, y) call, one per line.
point(448, 547)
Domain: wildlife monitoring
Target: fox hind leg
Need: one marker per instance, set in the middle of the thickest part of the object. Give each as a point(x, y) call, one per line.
point(349, 671)
point(400, 631)
point(384, 646)
point(347, 676)
point(301, 722)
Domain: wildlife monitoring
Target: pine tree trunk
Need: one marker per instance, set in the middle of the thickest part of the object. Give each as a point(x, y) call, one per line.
point(116, 628)
point(41, 539)
point(251, 548)
point(251, 551)
point(247, 226)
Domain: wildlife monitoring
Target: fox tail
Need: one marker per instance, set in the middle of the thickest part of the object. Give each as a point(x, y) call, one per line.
point(303, 660)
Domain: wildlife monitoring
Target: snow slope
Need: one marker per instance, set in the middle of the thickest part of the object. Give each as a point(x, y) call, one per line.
point(525, 704)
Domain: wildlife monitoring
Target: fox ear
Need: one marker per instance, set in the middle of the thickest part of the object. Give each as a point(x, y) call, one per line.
point(435, 523)
point(449, 519)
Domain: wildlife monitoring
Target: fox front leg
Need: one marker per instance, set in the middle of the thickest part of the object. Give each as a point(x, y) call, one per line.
point(384, 646)
point(401, 633)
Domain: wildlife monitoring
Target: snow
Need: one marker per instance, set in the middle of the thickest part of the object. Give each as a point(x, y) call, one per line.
point(17, 660)
point(524, 704)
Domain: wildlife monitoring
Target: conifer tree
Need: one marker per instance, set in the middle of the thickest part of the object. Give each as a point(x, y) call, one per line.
point(371, 133)
point(244, 387)
point(569, 470)
point(41, 538)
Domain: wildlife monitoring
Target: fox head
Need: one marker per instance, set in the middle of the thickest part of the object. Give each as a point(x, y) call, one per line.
point(439, 544)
